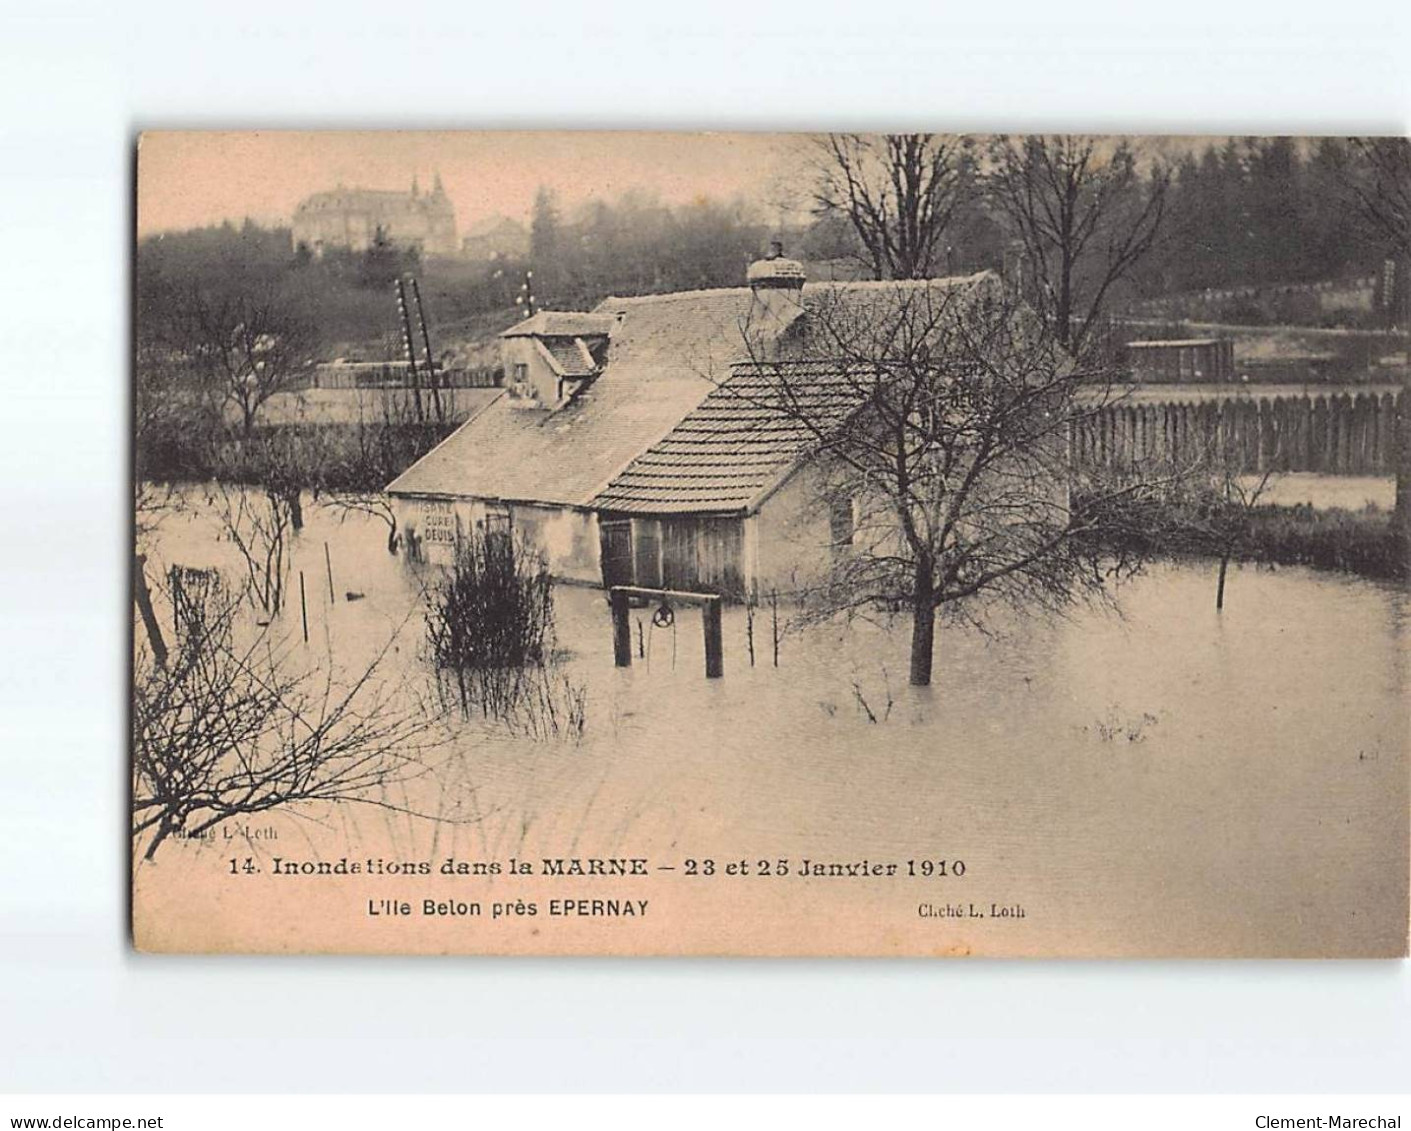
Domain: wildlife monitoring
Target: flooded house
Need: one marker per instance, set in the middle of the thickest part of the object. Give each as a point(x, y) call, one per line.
point(630, 444)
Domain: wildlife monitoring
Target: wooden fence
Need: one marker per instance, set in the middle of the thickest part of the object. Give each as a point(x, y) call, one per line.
point(1345, 432)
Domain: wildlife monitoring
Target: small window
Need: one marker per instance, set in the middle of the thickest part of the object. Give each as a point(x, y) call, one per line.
point(498, 528)
point(841, 521)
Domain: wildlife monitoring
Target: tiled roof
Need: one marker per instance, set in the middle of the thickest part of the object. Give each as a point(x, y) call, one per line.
point(562, 324)
point(658, 430)
point(738, 443)
point(570, 357)
point(667, 354)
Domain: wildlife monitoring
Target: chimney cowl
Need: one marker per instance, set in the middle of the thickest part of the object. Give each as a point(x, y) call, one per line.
point(776, 270)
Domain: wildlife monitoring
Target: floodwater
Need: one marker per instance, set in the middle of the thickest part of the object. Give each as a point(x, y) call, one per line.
point(1157, 779)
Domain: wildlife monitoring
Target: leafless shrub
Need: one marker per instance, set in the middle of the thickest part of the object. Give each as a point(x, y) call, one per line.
point(230, 728)
point(490, 631)
point(547, 705)
point(865, 707)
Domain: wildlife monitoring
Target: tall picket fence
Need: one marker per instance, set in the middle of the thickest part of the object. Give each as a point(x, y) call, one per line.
point(1336, 433)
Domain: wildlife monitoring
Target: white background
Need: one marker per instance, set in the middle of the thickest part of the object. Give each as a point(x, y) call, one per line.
point(81, 1012)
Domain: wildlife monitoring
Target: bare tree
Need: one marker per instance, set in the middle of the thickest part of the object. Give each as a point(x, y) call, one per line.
point(940, 418)
point(249, 345)
point(260, 534)
point(170, 410)
point(899, 192)
point(1083, 215)
point(1381, 186)
point(1378, 181)
point(285, 461)
point(1219, 501)
point(369, 505)
point(228, 730)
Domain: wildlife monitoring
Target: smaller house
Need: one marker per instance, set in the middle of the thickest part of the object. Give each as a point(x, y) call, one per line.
point(495, 239)
point(1189, 361)
point(551, 357)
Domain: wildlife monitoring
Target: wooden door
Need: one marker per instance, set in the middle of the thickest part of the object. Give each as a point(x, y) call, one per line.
point(615, 544)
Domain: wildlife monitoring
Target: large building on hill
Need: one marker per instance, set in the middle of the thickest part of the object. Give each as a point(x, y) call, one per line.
point(630, 445)
point(351, 218)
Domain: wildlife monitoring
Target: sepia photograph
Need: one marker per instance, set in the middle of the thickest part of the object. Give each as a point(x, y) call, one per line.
point(770, 544)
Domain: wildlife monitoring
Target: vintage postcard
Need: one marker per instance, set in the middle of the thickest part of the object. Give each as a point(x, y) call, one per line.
point(749, 544)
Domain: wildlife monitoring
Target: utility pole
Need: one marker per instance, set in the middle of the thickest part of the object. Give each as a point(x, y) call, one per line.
point(411, 346)
point(430, 361)
point(525, 298)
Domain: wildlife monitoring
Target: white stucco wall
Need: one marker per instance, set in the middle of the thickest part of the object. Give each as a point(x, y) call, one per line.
point(567, 537)
point(787, 542)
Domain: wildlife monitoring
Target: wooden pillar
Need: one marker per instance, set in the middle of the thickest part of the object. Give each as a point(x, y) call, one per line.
point(621, 629)
point(714, 649)
point(142, 595)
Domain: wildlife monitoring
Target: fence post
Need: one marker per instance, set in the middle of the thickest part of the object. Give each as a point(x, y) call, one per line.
point(714, 651)
point(621, 629)
point(1401, 454)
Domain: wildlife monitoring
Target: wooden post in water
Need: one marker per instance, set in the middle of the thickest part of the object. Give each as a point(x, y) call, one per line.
point(328, 561)
point(303, 607)
point(774, 622)
point(143, 596)
point(714, 648)
point(621, 629)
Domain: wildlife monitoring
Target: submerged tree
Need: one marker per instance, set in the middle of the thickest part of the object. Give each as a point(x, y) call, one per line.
point(260, 533)
point(1216, 505)
point(940, 418)
point(368, 504)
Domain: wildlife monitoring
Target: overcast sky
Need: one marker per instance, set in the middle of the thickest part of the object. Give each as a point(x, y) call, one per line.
point(192, 179)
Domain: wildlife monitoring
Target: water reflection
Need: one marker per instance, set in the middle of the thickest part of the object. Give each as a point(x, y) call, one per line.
point(1158, 778)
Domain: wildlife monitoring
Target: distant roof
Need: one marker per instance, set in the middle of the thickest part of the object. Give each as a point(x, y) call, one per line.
point(372, 198)
point(561, 324)
point(670, 355)
point(738, 443)
point(494, 225)
point(1172, 343)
